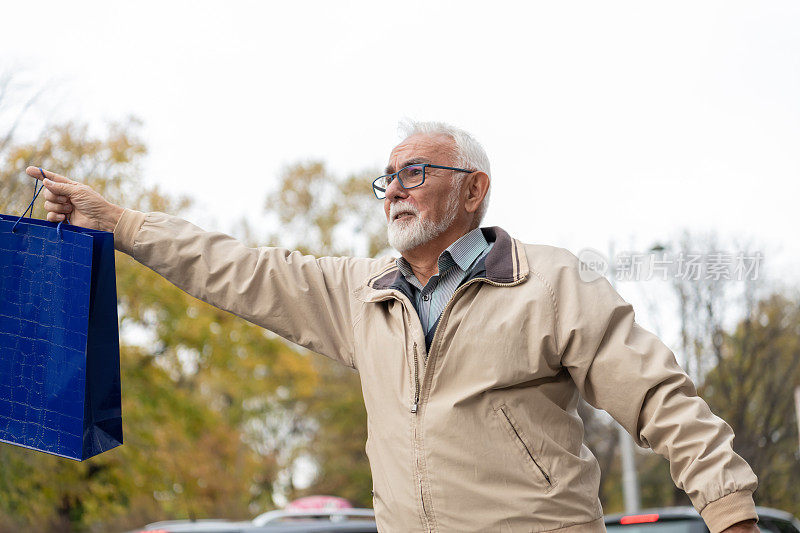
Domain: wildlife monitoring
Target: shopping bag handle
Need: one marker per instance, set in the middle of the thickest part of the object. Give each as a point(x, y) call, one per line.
point(30, 205)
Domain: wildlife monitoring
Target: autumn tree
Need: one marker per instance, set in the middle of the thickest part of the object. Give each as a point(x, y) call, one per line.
point(323, 214)
point(203, 391)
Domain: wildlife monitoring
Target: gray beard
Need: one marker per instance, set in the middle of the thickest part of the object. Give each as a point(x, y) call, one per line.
point(406, 235)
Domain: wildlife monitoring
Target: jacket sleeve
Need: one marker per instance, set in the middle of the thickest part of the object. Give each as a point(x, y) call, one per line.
point(620, 367)
point(301, 298)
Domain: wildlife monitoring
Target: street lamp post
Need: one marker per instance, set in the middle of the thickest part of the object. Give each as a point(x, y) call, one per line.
point(630, 479)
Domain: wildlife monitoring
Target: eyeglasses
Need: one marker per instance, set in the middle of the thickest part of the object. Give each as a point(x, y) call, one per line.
point(409, 177)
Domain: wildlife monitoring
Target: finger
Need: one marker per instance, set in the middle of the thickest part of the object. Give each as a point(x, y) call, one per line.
point(53, 197)
point(57, 208)
point(56, 217)
point(36, 172)
point(60, 189)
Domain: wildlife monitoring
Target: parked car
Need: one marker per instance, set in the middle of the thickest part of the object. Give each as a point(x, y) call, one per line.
point(292, 521)
point(687, 520)
point(662, 520)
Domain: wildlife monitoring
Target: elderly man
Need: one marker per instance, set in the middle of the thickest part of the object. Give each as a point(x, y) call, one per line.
point(472, 347)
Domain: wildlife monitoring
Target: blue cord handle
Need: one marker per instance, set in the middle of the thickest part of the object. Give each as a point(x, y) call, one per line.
point(30, 205)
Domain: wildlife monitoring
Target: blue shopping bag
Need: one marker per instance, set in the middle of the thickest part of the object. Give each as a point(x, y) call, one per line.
point(59, 339)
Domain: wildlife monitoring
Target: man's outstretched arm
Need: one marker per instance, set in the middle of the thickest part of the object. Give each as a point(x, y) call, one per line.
point(301, 298)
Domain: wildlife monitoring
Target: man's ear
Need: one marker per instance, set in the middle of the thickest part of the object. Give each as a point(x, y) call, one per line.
point(476, 185)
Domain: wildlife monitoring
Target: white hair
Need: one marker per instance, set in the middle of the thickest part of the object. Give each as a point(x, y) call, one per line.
point(469, 153)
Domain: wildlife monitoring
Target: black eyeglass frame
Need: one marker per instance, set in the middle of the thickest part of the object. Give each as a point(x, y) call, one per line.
point(375, 187)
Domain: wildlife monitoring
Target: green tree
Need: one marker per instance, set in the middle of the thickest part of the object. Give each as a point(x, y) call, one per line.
point(742, 354)
point(752, 387)
point(751, 372)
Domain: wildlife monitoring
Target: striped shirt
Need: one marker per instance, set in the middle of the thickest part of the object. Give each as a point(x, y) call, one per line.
point(455, 263)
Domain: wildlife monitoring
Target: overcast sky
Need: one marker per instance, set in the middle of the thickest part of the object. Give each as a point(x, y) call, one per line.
point(623, 121)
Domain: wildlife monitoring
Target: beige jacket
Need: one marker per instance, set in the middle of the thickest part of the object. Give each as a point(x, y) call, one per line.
point(484, 434)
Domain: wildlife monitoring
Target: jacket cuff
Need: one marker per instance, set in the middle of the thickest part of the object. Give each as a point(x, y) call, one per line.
point(126, 230)
point(728, 510)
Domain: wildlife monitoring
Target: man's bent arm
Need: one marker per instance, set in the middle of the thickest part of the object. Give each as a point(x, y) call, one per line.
point(627, 371)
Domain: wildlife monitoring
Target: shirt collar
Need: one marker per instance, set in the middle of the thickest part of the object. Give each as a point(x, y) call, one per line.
point(467, 249)
point(506, 265)
point(463, 253)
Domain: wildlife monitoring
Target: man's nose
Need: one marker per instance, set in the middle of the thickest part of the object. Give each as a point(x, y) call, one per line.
point(395, 191)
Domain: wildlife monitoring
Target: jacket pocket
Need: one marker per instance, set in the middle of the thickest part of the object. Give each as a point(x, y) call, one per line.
point(518, 437)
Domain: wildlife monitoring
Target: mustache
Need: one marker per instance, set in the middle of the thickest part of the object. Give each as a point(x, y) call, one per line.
point(402, 207)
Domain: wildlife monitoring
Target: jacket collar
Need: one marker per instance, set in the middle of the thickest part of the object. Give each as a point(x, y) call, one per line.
point(505, 263)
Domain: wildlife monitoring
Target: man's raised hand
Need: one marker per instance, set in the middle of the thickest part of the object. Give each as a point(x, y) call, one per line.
point(67, 198)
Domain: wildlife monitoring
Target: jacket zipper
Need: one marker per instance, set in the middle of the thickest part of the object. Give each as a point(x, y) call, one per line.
point(429, 364)
point(414, 408)
point(439, 328)
point(415, 404)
